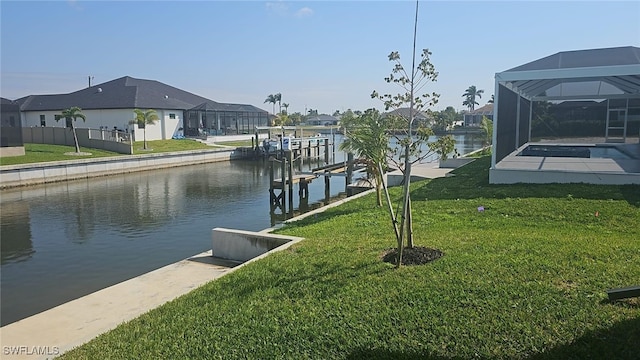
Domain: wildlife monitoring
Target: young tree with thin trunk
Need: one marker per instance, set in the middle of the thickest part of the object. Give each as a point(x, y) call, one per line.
point(410, 140)
point(72, 114)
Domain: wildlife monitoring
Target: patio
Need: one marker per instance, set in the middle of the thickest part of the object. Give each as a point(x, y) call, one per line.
point(575, 99)
point(543, 169)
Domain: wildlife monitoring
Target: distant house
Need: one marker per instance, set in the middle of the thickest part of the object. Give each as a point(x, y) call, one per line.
point(323, 120)
point(110, 106)
point(11, 130)
point(420, 117)
point(474, 118)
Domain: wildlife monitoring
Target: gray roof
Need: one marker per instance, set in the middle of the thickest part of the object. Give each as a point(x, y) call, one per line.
point(8, 106)
point(123, 93)
point(628, 55)
point(484, 110)
point(581, 74)
point(5, 101)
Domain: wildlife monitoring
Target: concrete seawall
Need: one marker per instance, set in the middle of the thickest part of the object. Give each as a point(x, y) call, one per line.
point(41, 173)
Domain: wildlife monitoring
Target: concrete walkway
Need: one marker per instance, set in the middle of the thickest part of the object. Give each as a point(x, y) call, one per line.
point(429, 171)
point(57, 330)
point(418, 172)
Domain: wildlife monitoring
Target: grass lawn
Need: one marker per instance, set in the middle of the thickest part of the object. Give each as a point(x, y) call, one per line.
point(35, 153)
point(524, 279)
point(160, 146)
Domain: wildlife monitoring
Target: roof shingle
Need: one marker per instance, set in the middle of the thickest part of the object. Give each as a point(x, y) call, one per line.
point(126, 93)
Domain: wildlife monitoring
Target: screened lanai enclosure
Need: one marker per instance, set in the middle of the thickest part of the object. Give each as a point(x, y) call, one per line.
point(570, 117)
point(211, 118)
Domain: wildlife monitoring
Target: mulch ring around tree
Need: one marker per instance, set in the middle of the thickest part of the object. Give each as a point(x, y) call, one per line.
point(418, 255)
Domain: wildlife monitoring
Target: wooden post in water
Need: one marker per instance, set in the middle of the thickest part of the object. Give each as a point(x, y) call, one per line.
point(290, 169)
point(327, 189)
point(276, 200)
point(349, 170)
point(303, 191)
point(271, 175)
point(272, 195)
point(326, 151)
point(284, 179)
point(333, 143)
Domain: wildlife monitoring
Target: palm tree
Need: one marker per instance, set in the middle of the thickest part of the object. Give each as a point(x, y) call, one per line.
point(470, 95)
point(144, 118)
point(71, 115)
point(286, 107)
point(367, 137)
point(273, 100)
point(469, 103)
point(491, 101)
point(278, 98)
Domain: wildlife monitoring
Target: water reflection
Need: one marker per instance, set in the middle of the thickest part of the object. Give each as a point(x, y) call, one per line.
point(19, 247)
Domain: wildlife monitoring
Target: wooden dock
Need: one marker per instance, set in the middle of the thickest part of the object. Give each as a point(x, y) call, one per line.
point(295, 179)
point(279, 187)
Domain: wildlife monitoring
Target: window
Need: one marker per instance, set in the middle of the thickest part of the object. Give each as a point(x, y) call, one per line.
point(172, 116)
point(43, 122)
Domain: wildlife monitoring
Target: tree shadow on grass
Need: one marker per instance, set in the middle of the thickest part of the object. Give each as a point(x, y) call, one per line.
point(472, 181)
point(620, 341)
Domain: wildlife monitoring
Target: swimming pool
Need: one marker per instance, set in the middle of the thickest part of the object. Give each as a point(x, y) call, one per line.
point(574, 151)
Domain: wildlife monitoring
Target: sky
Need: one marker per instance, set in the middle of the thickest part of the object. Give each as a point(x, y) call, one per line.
point(321, 55)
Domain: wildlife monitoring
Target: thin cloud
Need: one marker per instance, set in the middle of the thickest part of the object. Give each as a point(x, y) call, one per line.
point(304, 12)
point(278, 7)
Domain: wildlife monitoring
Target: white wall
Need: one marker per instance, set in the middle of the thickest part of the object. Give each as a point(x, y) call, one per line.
point(109, 118)
point(170, 126)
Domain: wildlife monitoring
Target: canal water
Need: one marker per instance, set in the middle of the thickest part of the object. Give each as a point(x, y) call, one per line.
point(65, 240)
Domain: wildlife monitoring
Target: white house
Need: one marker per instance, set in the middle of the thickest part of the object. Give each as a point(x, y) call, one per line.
point(110, 106)
point(474, 118)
